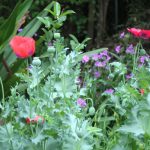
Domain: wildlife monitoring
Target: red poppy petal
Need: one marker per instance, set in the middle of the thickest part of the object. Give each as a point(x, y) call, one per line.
point(134, 31)
point(145, 34)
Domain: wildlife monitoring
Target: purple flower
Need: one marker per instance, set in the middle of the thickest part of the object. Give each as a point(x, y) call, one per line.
point(97, 74)
point(35, 34)
point(109, 91)
point(50, 44)
point(29, 67)
point(143, 59)
point(100, 64)
point(130, 49)
point(122, 34)
point(129, 76)
point(81, 102)
point(78, 80)
point(20, 30)
point(85, 59)
point(104, 55)
point(118, 48)
point(95, 57)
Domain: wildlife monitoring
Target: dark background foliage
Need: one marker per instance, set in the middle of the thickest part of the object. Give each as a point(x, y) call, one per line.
point(97, 19)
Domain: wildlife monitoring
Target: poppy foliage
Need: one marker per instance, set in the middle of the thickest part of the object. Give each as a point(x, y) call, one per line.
point(140, 33)
point(23, 47)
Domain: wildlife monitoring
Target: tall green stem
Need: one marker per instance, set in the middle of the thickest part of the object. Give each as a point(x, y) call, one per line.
point(136, 56)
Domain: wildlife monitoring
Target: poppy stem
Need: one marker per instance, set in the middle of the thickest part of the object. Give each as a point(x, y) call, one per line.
point(136, 55)
point(3, 95)
point(27, 67)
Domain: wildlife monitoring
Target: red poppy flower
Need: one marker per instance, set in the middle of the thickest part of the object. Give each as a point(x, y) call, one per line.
point(141, 33)
point(142, 91)
point(23, 47)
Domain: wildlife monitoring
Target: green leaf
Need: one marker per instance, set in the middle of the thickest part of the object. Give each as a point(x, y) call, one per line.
point(29, 30)
point(57, 9)
point(9, 27)
point(67, 13)
point(85, 40)
point(74, 38)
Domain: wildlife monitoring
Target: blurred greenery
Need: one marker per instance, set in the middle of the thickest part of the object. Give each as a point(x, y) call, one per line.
point(119, 15)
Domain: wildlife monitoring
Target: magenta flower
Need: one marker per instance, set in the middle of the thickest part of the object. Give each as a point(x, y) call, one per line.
point(130, 49)
point(109, 91)
point(97, 74)
point(118, 48)
point(81, 102)
point(122, 34)
point(85, 59)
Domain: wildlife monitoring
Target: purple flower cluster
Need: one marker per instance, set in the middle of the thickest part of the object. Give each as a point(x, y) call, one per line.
point(81, 102)
point(101, 59)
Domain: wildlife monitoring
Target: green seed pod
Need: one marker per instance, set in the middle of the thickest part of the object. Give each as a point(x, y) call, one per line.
point(91, 111)
point(111, 76)
point(142, 52)
point(36, 61)
point(57, 35)
point(51, 49)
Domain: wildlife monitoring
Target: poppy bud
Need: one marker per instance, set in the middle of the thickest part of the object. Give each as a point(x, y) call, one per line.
point(51, 49)
point(28, 120)
point(23, 47)
point(56, 35)
point(142, 91)
point(36, 61)
point(91, 111)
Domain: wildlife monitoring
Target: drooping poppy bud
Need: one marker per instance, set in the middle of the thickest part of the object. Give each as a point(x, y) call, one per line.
point(38, 119)
point(28, 120)
point(23, 47)
point(142, 91)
